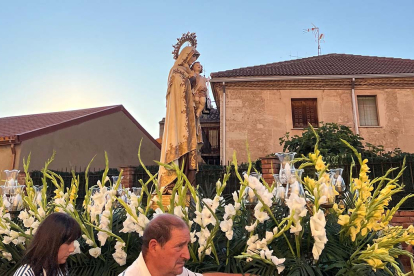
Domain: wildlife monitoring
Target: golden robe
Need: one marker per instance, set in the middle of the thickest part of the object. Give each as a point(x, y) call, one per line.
point(179, 141)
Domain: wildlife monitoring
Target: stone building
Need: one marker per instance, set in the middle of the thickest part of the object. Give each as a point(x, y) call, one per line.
point(77, 136)
point(259, 104)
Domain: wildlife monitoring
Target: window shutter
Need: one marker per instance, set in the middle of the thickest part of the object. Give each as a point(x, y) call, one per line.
point(304, 111)
point(297, 113)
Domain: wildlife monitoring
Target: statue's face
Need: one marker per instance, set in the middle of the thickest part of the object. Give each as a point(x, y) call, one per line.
point(192, 59)
point(197, 67)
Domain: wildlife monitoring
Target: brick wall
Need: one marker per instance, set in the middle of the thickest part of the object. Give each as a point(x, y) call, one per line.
point(128, 174)
point(404, 219)
point(270, 166)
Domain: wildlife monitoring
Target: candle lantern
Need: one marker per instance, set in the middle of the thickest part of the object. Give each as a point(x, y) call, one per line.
point(12, 191)
point(250, 197)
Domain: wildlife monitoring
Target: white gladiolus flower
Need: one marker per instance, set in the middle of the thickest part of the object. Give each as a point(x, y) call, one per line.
point(178, 211)
point(39, 199)
point(41, 212)
point(251, 227)
point(34, 226)
point(88, 241)
point(269, 236)
point(252, 240)
point(102, 236)
point(120, 255)
point(158, 211)
point(297, 205)
point(23, 215)
point(70, 207)
point(95, 252)
point(267, 255)
point(207, 217)
point(7, 239)
point(227, 227)
point(278, 263)
point(28, 222)
point(208, 251)
point(8, 256)
point(235, 196)
point(261, 216)
point(6, 202)
point(77, 248)
point(295, 228)
point(129, 225)
point(203, 235)
point(317, 224)
point(14, 234)
point(193, 237)
point(19, 240)
point(229, 211)
point(229, 234)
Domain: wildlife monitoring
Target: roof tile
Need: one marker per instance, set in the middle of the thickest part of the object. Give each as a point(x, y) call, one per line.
point(17, 125)
point(331, 64)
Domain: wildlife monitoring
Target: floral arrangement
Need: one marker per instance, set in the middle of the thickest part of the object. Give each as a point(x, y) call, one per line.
point(294, 226)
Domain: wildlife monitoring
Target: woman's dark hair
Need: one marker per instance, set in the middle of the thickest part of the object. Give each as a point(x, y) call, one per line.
point(42, 253)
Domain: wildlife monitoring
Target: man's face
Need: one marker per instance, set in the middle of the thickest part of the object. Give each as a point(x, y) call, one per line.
point(173, 255)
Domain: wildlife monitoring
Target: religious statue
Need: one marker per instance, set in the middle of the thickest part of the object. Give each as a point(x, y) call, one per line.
point(200, 89)
point(200, 96)
point(180, 138)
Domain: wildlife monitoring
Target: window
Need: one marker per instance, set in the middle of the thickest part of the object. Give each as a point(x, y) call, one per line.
point(367, 109)
point(304, 111)
point(211, 139)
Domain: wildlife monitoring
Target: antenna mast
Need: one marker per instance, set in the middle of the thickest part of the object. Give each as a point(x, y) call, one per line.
point(319, 37)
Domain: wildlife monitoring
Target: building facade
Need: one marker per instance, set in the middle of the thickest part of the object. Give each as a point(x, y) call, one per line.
point(374, 96)
point(76, 136)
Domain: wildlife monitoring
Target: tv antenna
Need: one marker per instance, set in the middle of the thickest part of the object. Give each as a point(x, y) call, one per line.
point(319, 37)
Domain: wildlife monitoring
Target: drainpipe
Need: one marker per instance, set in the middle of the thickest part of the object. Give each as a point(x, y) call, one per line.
point(224, 123)
point(13, 150)
point(354, 113)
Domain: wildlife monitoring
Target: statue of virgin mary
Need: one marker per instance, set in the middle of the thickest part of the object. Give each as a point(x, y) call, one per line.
point(179, 141)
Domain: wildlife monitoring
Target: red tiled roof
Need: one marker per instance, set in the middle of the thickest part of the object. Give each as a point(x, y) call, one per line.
point(19, 128)
point(331, 64)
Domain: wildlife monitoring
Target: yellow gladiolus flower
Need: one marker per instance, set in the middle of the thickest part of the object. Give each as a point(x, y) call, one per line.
point(364, 231)
point(375, 263)
point(312, 157)
point(343, 220)
point(320, 165)
point(353, 232)
point(57, 192)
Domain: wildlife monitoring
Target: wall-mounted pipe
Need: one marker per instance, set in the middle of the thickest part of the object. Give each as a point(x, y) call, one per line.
point(13, 150)
point(224, 160)
point(354, 108)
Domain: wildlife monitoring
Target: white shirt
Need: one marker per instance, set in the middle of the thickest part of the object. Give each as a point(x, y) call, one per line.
point(139, 268)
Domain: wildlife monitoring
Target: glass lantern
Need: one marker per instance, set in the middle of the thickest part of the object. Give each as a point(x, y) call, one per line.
point(279, 191)
point(136, 191)
point(294, 185)
point(250, 197)
point(337, 180)
point(12, 191)
point(286, 159)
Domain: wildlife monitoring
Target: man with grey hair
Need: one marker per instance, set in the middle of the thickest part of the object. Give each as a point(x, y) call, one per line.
point(165, 250)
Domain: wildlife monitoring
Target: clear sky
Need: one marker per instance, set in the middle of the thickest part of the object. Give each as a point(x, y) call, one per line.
point(64, 55)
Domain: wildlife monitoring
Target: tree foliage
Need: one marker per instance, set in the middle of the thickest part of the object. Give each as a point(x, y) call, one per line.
point(330, 135)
